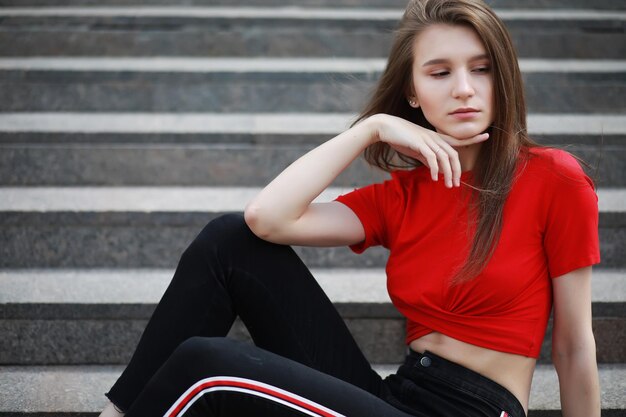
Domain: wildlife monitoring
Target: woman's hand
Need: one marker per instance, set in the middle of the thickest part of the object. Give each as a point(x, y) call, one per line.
point(435, 150)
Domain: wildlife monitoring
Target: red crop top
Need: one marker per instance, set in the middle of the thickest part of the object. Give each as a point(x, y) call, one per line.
point(550, 228)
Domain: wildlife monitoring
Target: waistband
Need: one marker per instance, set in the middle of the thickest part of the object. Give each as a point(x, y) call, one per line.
point(461, 376)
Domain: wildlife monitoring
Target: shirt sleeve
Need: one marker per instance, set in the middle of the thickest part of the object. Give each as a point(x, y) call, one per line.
point(571, 235)
point(379, 208)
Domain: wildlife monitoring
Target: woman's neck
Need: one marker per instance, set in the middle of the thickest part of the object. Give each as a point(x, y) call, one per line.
point(468, 155)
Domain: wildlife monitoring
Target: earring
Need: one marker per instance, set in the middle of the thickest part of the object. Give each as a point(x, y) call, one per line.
point(413, 103)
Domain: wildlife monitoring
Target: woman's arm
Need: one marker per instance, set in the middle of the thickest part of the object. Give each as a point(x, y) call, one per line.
point(573, 345)
point(282, 212)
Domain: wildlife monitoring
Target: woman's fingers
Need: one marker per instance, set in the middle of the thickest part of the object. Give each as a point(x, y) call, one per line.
point(442, 159)
point(441, 156)
point(433, 163)
point(450, 158)
point(434, 153)
point(452, 164)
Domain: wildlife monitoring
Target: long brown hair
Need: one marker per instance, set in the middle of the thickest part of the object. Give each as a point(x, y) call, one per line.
point(495, 168)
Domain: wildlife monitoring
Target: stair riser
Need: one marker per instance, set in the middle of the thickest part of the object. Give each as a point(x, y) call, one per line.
point(397, 4)
point(57, 342)
point(175, 36)
point(610, 142)
point(125, 239)
point(277, 92)
point(546, 93)
point(156, 240)
point(206, 165)
point(72, 342)
point(140, 165)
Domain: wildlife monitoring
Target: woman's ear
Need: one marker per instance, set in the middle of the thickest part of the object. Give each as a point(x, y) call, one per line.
point(413, 102)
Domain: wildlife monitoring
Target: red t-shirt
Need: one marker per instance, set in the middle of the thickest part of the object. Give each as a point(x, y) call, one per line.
point(550, 227)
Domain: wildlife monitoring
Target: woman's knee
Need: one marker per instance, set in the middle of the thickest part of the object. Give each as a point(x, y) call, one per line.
point(230, 234)
point(211, 354)
point(231, 225)
point(228, 229)
point(198, 347)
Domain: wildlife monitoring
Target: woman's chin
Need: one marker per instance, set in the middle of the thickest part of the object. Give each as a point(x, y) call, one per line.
point(462, 133)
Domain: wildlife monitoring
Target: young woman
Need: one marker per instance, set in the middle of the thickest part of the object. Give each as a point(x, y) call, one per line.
point(487, 232)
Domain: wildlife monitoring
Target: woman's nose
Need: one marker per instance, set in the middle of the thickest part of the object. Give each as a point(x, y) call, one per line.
point(463, 86)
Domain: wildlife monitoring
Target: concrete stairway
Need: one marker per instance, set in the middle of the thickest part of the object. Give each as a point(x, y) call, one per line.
point(125, 128)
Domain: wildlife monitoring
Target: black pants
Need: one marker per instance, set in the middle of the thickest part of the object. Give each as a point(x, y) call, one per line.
point(304, 362)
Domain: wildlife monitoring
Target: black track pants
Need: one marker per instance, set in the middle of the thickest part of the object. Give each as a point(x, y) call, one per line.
point(304, 362)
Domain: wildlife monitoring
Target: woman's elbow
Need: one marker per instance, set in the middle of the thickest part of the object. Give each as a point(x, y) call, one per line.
point(259, 222)
point(254, 219)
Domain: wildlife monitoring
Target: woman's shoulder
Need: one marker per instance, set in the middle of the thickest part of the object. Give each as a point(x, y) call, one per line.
point(401, 181)
point(553, 158)
point(556, 165)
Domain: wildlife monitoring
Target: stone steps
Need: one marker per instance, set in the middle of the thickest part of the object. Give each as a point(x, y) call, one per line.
point(280, 31)
point(268, 85)
point(61, 316)
point(77, 391)
point(205, 149)
point(144, 102)
point(129, 227)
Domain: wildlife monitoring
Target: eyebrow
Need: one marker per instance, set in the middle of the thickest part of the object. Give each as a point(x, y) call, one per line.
point(438, 61)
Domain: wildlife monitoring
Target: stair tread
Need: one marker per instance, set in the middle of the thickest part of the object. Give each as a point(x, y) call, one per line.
point(75, 389)
point(262, 123)
point(225, 12)
point(266, 64)
point(291, 12)
point(179, 199)
point(145, 286)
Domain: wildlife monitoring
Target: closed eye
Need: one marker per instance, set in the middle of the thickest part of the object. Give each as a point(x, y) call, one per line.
point(481, 69)
point(439, 74)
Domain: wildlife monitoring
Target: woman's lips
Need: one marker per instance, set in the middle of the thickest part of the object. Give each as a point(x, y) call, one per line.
point(465, 113)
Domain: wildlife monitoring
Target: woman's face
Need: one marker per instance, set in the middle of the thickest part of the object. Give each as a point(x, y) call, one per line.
point(452, 80)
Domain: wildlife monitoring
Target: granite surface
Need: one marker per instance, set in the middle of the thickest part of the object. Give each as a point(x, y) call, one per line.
point(156, 240)
point(58, 90)
point(210, 165)
point(168, 164)
point(400, 4)
point(45, 389)
point(101, 286)
point(104, 341)
point(70, 342)
point(270, 128)
point(366, 37)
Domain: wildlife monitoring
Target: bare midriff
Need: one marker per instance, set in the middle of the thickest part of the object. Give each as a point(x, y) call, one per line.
point(513, 372)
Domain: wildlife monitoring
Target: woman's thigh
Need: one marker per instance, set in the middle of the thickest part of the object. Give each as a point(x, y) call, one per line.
point(226, 272)
point(220, 377)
